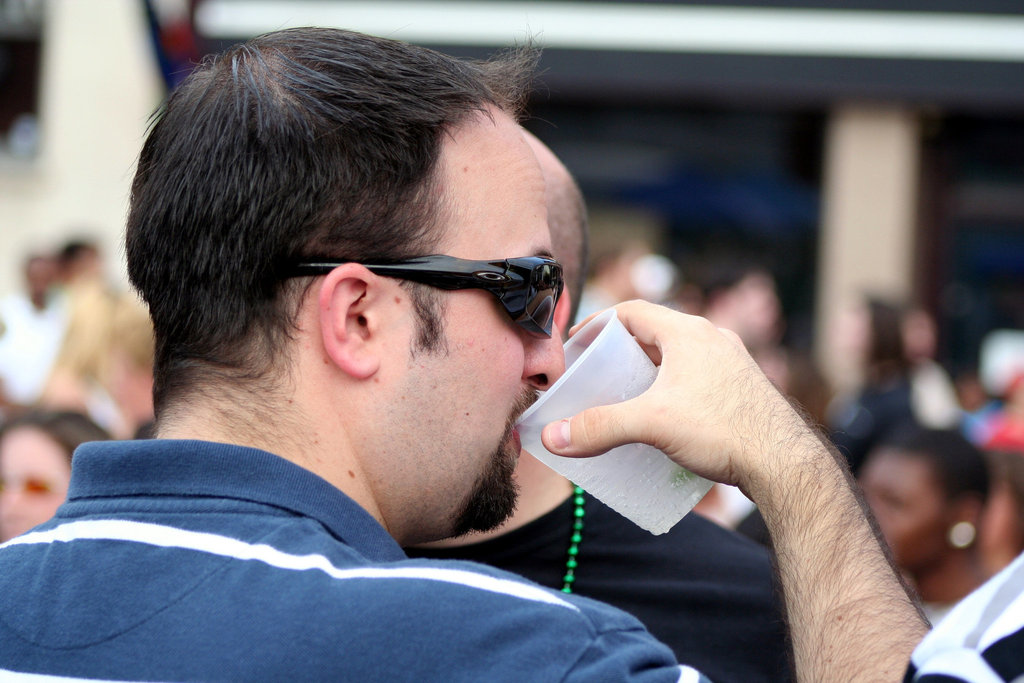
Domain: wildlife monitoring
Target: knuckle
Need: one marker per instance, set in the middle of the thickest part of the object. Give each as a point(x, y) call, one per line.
point(584, 427)
point(598, 429)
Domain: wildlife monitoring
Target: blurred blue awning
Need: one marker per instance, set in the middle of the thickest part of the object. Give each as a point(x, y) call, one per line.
point(758, 204)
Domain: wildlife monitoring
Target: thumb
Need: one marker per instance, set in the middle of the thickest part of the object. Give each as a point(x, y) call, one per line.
point(591, 432)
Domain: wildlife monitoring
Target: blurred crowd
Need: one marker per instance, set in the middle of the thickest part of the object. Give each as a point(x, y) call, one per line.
point(76, 365)
point(940, 459)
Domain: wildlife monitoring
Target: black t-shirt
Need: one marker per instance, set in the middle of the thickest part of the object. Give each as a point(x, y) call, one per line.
point(705, 591)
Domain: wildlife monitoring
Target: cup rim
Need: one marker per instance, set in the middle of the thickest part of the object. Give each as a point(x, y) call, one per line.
point(604, 319)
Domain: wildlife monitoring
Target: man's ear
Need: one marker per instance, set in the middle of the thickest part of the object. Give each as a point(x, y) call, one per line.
point(349, 307)
point(562, 309)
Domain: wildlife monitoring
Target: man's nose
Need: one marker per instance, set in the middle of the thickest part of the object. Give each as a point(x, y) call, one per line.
point(545, 360)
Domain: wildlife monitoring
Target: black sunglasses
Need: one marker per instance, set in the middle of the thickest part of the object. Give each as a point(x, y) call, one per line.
point(527, 287)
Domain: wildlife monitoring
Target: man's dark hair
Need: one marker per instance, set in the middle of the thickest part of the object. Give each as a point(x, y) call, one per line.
point(300, 143)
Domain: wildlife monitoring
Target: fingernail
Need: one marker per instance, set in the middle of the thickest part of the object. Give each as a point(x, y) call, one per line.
point(559, 434)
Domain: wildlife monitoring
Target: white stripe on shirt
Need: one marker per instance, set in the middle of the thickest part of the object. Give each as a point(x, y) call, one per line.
point(688, 675)
point(964, 664)
point(990, 613)
point(7, 676)
point(956, 646)
point(215, 544)
point(1004, 615)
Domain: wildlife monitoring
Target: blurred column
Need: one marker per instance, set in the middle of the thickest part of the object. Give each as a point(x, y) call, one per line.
point(868, 217)
point(99, 85)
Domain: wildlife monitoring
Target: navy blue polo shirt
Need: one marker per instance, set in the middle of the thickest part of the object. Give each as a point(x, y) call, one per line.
point(188, 560)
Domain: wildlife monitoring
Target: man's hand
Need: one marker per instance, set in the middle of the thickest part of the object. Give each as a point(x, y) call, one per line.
point(710, 409)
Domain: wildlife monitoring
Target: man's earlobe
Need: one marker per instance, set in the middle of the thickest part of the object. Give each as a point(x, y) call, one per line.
point(348, 320)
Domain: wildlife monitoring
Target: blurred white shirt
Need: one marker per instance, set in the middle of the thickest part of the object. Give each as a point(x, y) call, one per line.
point(29, 344)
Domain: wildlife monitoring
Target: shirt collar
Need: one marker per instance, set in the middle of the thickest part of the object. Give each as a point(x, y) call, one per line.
point(201, 468)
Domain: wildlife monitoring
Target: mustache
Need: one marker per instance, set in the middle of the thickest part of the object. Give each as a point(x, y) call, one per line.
point(523, 402)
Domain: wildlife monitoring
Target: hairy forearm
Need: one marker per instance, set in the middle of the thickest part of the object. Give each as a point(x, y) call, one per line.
point(850, 616)
point(715, 413)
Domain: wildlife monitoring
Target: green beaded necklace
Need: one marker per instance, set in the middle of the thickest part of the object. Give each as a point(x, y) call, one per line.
point(571, 561)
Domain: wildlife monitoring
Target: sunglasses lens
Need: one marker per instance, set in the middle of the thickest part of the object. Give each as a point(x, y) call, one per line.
point(545, 286)
point(541, 310)
point(547, 276)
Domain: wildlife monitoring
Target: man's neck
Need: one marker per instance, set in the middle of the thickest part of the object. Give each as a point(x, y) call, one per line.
point(295, 438)
point(541, 490)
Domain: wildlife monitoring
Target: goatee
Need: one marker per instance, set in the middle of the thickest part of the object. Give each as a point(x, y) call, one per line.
point(494, 498)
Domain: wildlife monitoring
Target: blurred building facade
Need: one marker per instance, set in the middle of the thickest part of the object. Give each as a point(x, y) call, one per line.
point(77, 86)
point(855, 146)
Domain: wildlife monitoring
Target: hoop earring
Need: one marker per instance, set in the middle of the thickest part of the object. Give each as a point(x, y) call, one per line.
point(962, 535)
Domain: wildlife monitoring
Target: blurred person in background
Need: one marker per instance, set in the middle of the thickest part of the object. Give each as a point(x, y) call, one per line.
point(35, 466)
point(76, 382)
point(872, 333)
point(32, 326)
point(977, 406)
point(1006, 427)
point(625, 272)
point(80, 262)
point(806, 384)
point(927, 489)
point(739, 294)
point(1001, 536)
point(129, 368)
point(932, 394)
point(703, 590)
point(610, 282)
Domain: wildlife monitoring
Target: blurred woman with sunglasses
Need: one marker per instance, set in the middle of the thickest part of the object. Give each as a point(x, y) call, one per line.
point(35, 466)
